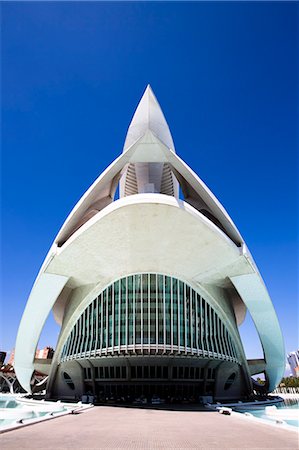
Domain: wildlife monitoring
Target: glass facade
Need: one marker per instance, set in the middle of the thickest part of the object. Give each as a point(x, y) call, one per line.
point(149, 314)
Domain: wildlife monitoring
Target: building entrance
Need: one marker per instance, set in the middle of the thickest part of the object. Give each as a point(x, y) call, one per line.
point(168, 392)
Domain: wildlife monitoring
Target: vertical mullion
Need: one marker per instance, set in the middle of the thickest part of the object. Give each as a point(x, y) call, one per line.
point(107, 320)
point(234, 350)
point(74, 333)
point(119, 313)
point(102, 331)
point(222, 339)
point(191, 317)
point(64, 350)
point(201, 327)
point(206, 329)
point(83, 331)
point(185, 318)
point(67, 346)
point(196, 320)
point(211, 330)
point(75, 348)
point(157, 316)
point(226, 343)
point(179, 316)
point(97, 326)
point(72, 340)
point(127, 314)
point(231, 346)
point(113, 318)
point(87, 330)
point(92, 327)
point(219, 335)
point(171, 313)
point(164, 316)
point(215, 332)
point(141, 312)
point(134, 310)
point(71, 344)
point(78, 343)
point(70, 347)
point(149, 310)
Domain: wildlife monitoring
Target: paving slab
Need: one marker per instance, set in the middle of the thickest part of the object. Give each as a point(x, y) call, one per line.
point(105, 427)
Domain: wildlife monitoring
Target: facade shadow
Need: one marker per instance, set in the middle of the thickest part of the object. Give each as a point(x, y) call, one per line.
point(161, 407)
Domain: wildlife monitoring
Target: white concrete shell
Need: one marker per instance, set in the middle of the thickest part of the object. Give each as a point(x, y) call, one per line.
point(146, 232)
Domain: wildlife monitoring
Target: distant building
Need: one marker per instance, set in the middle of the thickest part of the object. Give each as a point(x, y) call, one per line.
point(11, 360)
point(293, 360)
point(8, 378)
point(44, 353)
point(2, 357)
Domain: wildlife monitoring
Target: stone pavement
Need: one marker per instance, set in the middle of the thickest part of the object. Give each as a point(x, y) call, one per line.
point(105, 427)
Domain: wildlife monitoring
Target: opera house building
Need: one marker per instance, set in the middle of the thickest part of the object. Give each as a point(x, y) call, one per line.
point(150, 280)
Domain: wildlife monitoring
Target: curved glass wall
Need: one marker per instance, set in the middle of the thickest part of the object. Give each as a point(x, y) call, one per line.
point(149, 314)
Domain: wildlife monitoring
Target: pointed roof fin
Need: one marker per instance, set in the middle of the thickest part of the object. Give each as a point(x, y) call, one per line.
point(148, 116)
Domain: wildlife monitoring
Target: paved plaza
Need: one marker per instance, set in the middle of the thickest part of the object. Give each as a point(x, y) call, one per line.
point(130, 428)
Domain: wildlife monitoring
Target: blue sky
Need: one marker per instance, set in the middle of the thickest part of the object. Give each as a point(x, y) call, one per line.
point(226, 76)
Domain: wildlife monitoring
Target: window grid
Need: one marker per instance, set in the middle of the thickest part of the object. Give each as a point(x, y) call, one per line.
point(146, 313)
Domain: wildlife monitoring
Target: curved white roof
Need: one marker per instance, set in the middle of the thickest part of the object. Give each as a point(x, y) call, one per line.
point(211, 249)
point(148, 148)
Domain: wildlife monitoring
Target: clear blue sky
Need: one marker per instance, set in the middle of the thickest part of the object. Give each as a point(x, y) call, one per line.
point(226, 76)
